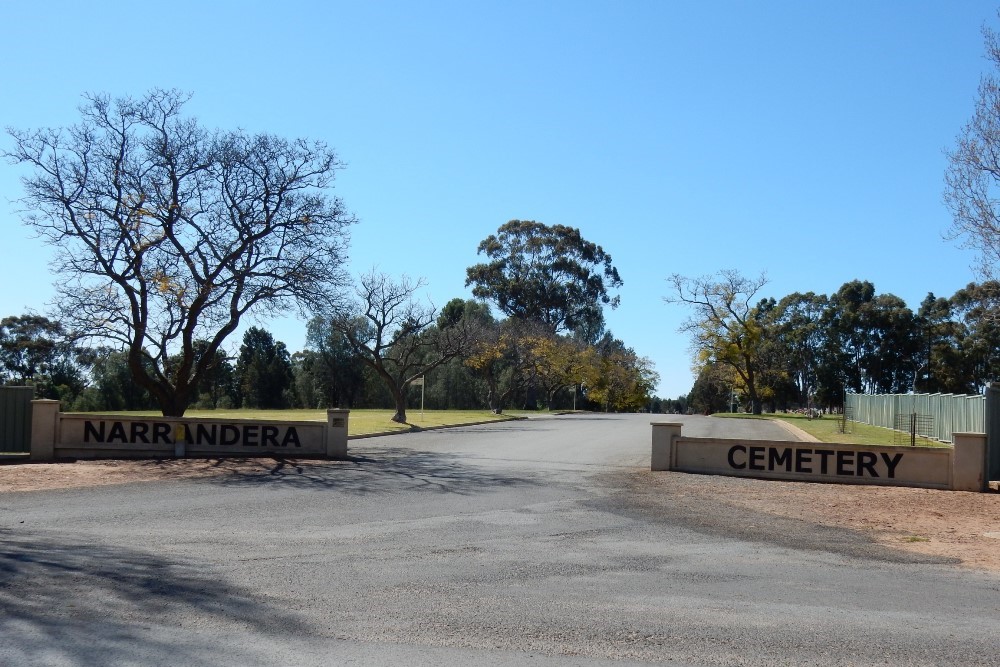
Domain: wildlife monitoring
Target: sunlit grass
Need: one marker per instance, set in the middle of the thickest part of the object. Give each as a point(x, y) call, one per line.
point(826, 429)
point(360, 422)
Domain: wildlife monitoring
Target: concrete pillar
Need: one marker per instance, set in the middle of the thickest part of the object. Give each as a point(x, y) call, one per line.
point(336, 433)
point(44, 429)
point(968, 466)
point(664, 434)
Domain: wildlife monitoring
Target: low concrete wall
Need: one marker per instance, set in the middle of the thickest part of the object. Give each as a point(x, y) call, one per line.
point(58, 435)
point(960, 468)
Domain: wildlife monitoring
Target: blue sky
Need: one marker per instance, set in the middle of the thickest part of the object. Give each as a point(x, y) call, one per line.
point(803, 139)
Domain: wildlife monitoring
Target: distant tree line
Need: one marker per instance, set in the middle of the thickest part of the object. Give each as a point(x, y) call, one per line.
point(512, 369)
point(807, 350)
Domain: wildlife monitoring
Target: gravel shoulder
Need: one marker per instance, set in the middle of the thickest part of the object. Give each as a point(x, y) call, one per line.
point(894, 523)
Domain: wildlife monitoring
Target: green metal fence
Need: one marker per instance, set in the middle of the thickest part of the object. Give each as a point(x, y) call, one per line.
point(949, 413)
point(15, 419)
point(993, 430)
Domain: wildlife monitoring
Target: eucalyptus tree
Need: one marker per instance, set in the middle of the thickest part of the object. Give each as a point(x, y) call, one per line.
point(546, 274)
point(168, 232)
point(974, 308)
point(940, 366)
point(801, 335)
point(38, 351)
point(871, 340)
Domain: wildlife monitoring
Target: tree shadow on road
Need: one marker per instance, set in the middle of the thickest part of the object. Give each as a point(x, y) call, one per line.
point(77, 603)
point(369, 471)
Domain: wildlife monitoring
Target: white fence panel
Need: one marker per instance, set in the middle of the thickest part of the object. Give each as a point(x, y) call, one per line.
point(950, 413)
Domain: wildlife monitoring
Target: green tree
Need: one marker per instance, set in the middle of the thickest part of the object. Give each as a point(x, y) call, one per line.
point(217, 388)
point(453, 385)
point(776, 385)
point(35, 350)
point(871, 339)
point(974, 308)
point(939, 366)
point(546, 274)
point(500, 359)
point(335, 371)
point(263, 371)
point(113, 387)
point(712, 390)
point(169, 233)
point(624, 381)
point(801, 336)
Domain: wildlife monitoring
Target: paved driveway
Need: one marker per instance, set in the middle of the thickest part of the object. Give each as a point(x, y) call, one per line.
point(513, 543)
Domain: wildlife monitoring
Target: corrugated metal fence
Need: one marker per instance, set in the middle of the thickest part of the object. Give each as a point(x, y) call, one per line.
point(15, 419)
point(950, 413)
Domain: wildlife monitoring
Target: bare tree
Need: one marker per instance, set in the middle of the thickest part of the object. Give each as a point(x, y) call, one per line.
point(392, 333)
point(972, 179)
point(167, 233)
point(724, 328)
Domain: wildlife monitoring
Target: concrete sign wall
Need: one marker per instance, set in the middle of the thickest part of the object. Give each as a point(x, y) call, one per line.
point(61, 435)
point(961, 467)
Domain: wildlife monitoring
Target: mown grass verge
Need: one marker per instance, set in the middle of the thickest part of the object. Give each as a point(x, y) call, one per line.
point(361, 422)
point(826, 429)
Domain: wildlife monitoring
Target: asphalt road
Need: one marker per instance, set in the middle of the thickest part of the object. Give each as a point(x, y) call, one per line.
point(529, 542)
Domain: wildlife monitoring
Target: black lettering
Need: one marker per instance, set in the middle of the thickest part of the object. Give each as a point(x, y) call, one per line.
point(866, 461)
point(291, 436)
point(892, 463)
point(230, 435)
point(802, 457)
point(161, 433)
point(89, 430)
point(844, 459)
point(756, 454)
point(823, 455)
point(206, 433)
point(776, 459)
point(250, 436)
point(269, 436)
point(117, 433)
point(139, 430)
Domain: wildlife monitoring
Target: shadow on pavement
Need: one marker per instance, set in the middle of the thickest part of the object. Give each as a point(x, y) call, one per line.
point(670, 498)
point(75, 603)
point(367, 471)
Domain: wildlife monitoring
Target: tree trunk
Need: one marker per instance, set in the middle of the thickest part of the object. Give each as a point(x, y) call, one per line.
point(173, 406)
point(400, 399)
point(173, 401)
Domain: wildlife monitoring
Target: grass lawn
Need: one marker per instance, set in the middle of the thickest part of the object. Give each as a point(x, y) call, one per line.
point(826, 429)
point(361, 422)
